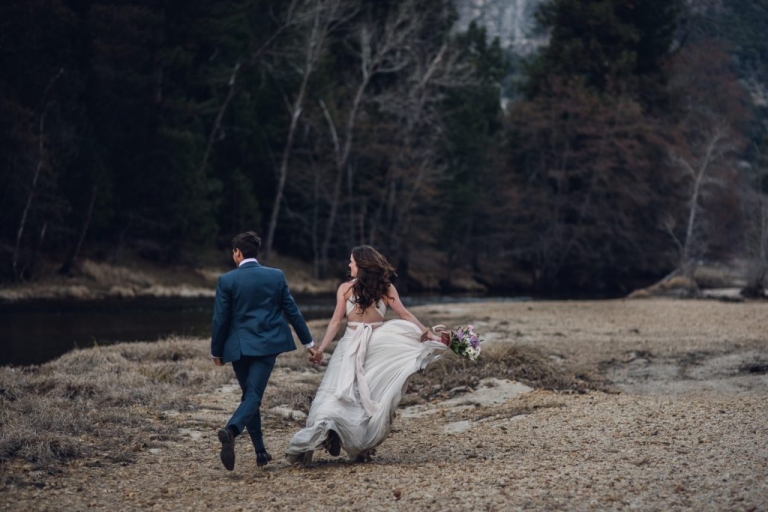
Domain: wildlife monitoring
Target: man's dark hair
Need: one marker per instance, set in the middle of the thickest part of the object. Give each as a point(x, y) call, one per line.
point(248, 243)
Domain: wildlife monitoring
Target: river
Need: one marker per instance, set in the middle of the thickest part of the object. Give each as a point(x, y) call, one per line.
point(33, 332)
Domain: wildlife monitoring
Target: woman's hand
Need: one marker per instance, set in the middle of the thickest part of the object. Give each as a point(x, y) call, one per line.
point(434, 337)
point(317, 357)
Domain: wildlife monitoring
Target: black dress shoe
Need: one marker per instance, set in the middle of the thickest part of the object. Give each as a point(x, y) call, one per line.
point(334, 443)
point(262, 458)
point(227, 439)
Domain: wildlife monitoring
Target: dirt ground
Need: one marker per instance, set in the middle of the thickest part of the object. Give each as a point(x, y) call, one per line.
point(681, 423)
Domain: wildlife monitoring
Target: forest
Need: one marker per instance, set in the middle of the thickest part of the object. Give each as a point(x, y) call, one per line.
point(631, 144)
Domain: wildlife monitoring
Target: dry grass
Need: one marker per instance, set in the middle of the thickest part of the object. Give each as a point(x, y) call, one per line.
point(106, 400)
point(504, 361)
point(105, 274)
point(98, 399)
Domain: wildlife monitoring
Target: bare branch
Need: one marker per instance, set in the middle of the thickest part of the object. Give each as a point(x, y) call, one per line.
point(331, 128)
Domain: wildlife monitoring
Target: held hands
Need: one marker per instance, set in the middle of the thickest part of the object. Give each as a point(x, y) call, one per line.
point(315, 356)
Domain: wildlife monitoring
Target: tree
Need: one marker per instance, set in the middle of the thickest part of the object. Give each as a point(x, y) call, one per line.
point(592, 188)
point(379, 48)
point(709, 117)
point(412, 117)
point(473, 123)
point(320, 19)
point(699, 167)
point(587, 171)
point(756, 234)
point(38, 127)
point(604, 42)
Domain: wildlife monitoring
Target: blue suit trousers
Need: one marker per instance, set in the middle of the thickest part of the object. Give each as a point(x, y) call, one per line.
point(252, 374)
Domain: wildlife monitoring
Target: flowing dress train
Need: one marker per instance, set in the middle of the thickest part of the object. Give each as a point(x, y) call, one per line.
point(362, 387)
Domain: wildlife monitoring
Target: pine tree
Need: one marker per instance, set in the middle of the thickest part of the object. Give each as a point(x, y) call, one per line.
point(604, 43)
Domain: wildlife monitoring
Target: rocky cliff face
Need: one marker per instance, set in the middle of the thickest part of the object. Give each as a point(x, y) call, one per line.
point(512, 21)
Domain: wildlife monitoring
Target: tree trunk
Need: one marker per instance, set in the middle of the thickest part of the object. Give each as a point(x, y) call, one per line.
point(40, 241)
point(67, 265)
point(30, 197)
point(755, 287)
point(685, 257)
point(315, 223)
point(341, 164)
point(313, 51)
point(233, 88)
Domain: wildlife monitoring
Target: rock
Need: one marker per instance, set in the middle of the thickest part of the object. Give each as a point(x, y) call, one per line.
point(122, 292)
point(725, 294)
point(288, 413)
point(457, 427)
point(491, 391)
point(678, 286)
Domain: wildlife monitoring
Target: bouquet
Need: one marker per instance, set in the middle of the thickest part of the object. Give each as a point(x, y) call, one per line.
point(464, 341)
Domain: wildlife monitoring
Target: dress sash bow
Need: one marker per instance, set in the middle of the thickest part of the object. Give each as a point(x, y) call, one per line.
point(352, 370)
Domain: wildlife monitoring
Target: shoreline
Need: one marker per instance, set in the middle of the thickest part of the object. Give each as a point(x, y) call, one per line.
point(93, 280)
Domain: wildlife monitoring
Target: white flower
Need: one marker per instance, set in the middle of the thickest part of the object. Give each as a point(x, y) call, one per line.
point(473, 353)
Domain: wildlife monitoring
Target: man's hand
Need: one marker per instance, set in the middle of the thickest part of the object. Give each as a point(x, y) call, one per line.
point(315, 356)
point(217, 361)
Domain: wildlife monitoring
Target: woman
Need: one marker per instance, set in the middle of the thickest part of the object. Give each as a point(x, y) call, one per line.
point(356, 401)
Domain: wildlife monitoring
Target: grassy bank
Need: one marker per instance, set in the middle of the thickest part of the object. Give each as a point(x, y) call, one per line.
point(136, 277)
point(99, 400)
point(118, 400)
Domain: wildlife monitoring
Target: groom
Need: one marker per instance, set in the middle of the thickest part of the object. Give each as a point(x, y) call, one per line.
point(249, 330)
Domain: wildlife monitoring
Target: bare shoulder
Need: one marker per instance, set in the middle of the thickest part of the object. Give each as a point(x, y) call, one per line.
point(344, 288)
point(392, 294)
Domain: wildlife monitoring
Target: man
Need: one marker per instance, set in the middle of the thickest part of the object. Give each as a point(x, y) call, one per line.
point(249, 330)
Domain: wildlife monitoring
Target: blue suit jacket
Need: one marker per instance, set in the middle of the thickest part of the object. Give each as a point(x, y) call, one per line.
point(248, 314)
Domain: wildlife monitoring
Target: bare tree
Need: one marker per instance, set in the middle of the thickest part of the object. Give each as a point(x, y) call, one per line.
point(699, 168)
point(756, 214)
point(322, 16)
point(234, 87)
point(70, 260)
point(414, 105)
point(380, 50)
point(41, 159)
point(758, 248)
point(701, 147)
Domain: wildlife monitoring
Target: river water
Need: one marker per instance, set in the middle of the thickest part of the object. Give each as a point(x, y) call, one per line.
point(33, 332)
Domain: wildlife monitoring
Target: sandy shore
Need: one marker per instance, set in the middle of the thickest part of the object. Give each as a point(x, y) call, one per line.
point(681, 424)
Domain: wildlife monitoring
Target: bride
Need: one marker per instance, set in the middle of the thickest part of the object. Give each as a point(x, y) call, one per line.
point(355, 404)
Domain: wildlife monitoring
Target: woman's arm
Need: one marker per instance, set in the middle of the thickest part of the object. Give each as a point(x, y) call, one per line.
point(333, 326)
point(394, 302)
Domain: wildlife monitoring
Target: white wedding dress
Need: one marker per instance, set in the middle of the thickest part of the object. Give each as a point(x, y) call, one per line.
point(363, 385)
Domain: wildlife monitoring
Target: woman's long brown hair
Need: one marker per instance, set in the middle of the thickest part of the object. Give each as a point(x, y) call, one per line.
point(373, 276)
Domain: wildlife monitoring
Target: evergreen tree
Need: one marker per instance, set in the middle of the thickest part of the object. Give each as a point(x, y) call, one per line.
point(473, 122)
point(40, 128)
point(587, 154)
point(604, 43)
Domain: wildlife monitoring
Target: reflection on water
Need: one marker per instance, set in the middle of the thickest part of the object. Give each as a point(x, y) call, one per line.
point(34, 332)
